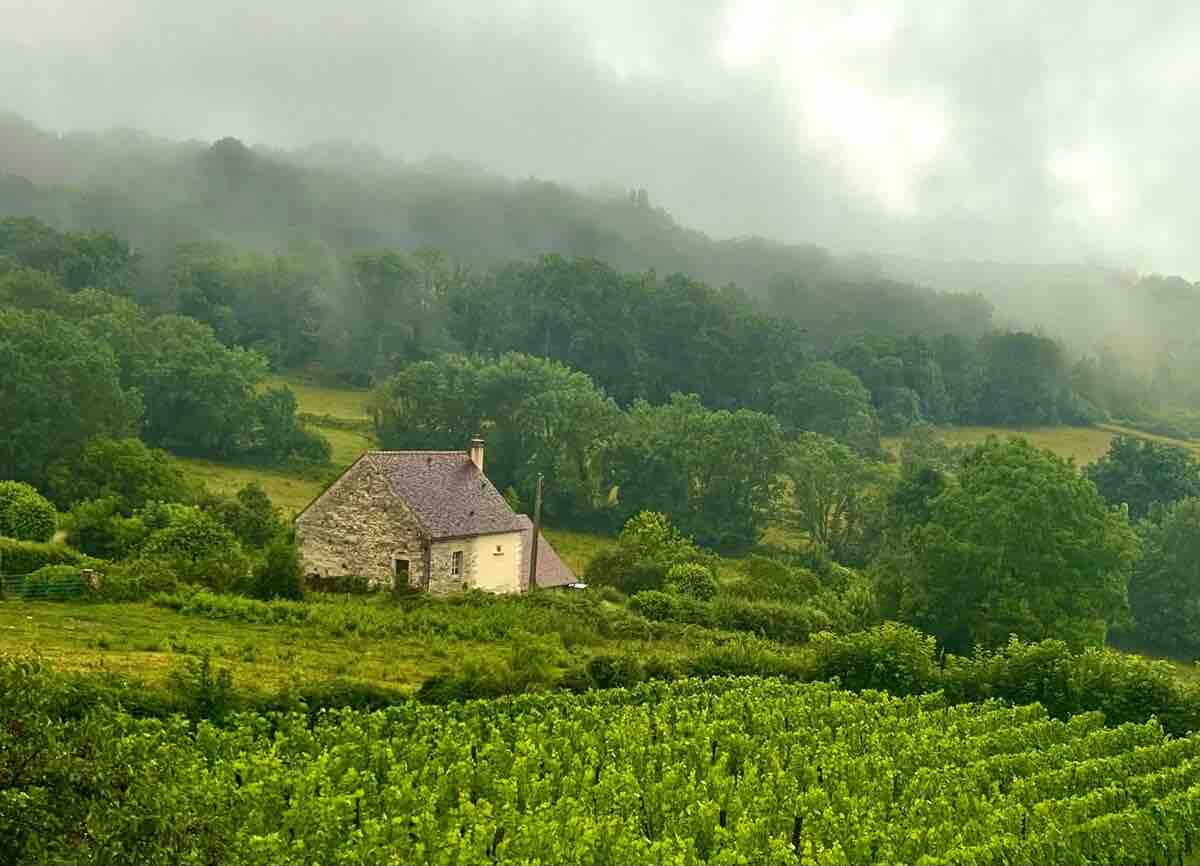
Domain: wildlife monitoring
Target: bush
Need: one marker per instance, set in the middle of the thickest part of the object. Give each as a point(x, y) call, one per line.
point(25, 514)
point(1126, 688)
point(26, 557)
point(893, 658)
point(746, 656)
point(770, 578)
point(609, 671)
point(249, 514)
point(781, 621)
point(98, 528)
point(350, 584)
point(53, 582)
point(193, 547)
point(279, 575)
point(655, 604)
point(624, 572)
point(119, 584)
point(533, 663)
point(205, 691)
point(692, 579)
point(648, 547)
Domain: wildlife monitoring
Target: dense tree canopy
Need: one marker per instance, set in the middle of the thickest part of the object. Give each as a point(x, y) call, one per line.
point(60, 387)
point(714, 473)
point(537, 415)
point(1164, 592)
point(830, 490)
point(1141, 473)
point(122, 469)
point(1020, 544)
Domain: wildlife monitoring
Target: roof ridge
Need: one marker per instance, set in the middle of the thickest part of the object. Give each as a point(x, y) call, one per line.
point(463, 452)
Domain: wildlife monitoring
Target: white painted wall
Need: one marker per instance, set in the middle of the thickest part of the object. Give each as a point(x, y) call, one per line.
point(492, 562)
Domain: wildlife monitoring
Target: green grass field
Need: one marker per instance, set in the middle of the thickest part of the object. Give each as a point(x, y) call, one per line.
point(316, 399)
point(1084, 445)
point(143, 642)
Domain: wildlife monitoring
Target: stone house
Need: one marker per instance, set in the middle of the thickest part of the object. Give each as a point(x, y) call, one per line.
point(430, 519)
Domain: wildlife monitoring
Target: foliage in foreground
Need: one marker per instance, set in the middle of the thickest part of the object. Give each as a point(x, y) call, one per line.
point(713, 771)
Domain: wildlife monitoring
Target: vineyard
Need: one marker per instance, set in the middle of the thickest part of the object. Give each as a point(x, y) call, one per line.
point(728, 770)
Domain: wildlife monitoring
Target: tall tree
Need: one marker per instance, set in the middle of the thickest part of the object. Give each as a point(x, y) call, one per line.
point(714, 473)
point(830, 489)
point(1141, 473)
point(1164, 592)
point(60, 387)
point(827, 399)
point(1022, 544)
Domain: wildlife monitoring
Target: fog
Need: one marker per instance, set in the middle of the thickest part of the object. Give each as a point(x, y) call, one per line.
point(1000, 131)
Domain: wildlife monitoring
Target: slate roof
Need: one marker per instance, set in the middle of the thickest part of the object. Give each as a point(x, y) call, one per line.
point(449, 495)
point(551, 571)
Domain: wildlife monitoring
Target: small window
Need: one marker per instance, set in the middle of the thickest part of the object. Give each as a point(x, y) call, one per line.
point(400, 567)
point(456, 563)
point(499, 550)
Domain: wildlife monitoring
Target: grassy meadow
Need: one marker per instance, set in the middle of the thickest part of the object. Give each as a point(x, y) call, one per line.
point(1084, 445)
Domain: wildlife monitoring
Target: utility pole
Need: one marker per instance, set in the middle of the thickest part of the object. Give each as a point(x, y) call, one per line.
point(533, 536)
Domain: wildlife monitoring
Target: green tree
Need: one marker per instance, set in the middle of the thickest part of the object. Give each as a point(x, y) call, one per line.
point(1022, 544)
point(187, 544)
point(537, 415)
point(827, 399)
point(280, 574)
point(25, 514)
point(1026, 382)
point(59, 388)
point(250, 515)
point(712, 472)
point(1141, 474)
point(1164, 592)
point(126, 470)
point(830, 492)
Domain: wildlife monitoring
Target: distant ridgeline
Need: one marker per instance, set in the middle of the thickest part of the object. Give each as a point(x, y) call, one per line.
point(339, 259)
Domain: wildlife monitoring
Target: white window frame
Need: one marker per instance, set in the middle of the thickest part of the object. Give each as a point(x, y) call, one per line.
point(456, 563)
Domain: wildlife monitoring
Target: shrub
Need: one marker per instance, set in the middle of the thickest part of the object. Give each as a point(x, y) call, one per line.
point(611, 594)
point(26, 557)
point(53, 582)
point(279, 575)
point(205, 691)
point(655, 604)
point(97, 527)
point(646, 550)
point(891, 657)
point(692, 579)
point(119, 584)
point(1124, 687)
point(249, 514)
point(192, 546)
point(770, 578)
point(25, 514)
point(533, 663)
point(746, 656)
point(791, 623)
point(351, 584)
point(607, 671)
point(624, 572)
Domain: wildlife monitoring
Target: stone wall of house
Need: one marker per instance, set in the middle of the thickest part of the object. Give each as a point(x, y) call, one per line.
point(359, 527)
point(441, 569)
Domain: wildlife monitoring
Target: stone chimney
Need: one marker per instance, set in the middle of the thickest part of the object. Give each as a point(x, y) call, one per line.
point(476, 453)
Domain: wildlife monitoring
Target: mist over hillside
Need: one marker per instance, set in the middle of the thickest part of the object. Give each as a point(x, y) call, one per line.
point(339, 196)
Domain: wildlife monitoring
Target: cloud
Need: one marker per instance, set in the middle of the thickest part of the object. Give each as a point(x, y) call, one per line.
point(1015, 131)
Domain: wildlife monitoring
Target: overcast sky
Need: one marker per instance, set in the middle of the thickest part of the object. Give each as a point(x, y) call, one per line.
point(1052, 130)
